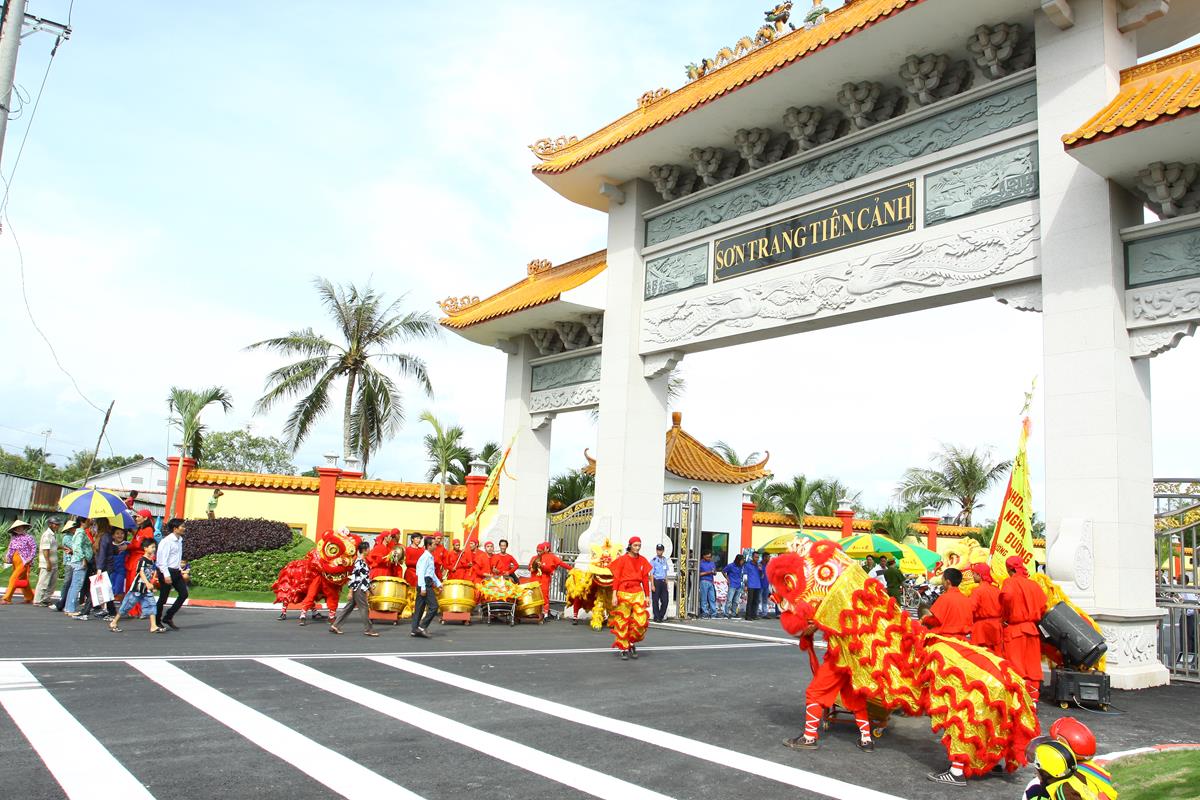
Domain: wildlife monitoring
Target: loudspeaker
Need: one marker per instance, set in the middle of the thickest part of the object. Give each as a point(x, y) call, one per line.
point(1080, 644)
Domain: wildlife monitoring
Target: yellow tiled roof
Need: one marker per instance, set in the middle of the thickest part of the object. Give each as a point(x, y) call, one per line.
point(1154, 92)
point(688, 458)
point(402, 489)
point(537, 288)
point(251, 480)
point(775, 519)
point(851, 18)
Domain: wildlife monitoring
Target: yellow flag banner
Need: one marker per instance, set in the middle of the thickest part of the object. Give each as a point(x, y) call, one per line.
point(486, 495)
point(1014, 529)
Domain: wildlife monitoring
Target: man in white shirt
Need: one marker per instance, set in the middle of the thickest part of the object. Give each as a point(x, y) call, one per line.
point(427, 579)
point(47, 563)
point(170, 574)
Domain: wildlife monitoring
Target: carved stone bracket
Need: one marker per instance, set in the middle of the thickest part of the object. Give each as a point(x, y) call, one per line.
point(760, 146)
point(567, 398)
point(810, 126)
point(507, 346)
point(574, 335)
point(870, 102)
point(1023, 296)
point(1170, 189)
point(1149, 342)
point(658, 364)
point(539, 421)
point(713, 164)
point(1000, 50)
point(546, 340)
point(1164, 302)
point(1059, 12)
point(934, 77)
point(595, 326)
point(1137, 13)
point(672, 181)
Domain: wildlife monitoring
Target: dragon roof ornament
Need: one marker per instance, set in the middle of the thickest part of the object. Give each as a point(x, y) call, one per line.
point(453, 305)
point(650, 98)
point(538, 266)
point(545, 148)
point(777, 24)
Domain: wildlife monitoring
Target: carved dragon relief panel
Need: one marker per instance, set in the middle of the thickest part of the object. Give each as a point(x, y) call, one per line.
point(1163, 302)
point(1005, 250)
point(1163, 258)
point(995, 113)
point(567, 372)
point(677, 271)
point(989, 182)
point(565, 399)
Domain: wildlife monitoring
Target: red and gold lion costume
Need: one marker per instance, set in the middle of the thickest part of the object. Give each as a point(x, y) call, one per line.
point(975, 700)
point(324, 571)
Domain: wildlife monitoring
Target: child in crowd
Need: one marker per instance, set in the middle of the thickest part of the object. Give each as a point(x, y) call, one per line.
point(142, 590)
point(116, 572)
point(1065, 767)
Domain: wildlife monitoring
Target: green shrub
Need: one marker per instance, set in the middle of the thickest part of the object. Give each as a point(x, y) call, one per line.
point(247, 571)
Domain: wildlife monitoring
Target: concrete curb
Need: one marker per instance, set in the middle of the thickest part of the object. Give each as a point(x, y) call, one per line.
point(231, 604)
point(1109, 758)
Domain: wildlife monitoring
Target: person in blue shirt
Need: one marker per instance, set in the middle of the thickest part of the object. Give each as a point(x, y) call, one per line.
point(733, 573)
point(658, 573)
point(708, 592)
point(427, 583)
point(754, 580)
point(764, 596)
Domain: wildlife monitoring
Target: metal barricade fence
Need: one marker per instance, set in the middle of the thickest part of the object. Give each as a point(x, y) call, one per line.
point(1177, 535)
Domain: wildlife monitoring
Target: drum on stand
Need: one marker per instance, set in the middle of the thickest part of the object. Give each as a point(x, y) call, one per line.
point(389, 595)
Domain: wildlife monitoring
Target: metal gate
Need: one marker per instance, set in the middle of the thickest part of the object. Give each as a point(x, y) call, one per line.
point(1176, 536)
point(681, 525)
point(563, 529)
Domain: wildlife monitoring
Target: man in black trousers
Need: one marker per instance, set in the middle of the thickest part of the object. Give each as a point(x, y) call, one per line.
point(660, 595)
point(170, 574)
point(427, 602)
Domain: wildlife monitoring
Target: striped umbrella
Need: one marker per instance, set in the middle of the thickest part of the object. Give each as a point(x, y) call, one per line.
point(870, 544)
point(97, 503)
point(780, 543)
point(917, 560)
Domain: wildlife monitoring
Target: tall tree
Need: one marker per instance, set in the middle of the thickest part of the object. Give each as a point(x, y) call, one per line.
point(185, 407)
point(570, 487)
point(242, 451)
point(957, 478)
point(372, 405)
point(443, 448)
point(894, 523)
point(727, 452)
point(460, 468)
point(829, 496)
point(794, 497)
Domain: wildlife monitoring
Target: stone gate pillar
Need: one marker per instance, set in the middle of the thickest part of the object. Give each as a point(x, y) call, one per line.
point(1097, 429)
point(631, 441)
point(521, 517)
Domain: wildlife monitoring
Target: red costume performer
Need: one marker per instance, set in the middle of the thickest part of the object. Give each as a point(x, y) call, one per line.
point(542, 567)
point(379, 557)
point(631, 586)
point(829, 685)
point(1022, 606)
point(481, 562)
point(986, 630)
point(504, 565)
point(324, 571)
point(137, 548)
point(412, 554)
point(440, 554)
point(951, 614)
point(460, 565)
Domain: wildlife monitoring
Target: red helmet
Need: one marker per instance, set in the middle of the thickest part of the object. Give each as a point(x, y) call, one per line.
point(1075, 735)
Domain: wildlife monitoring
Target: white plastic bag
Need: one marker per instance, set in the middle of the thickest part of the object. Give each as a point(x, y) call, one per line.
point(101, 588)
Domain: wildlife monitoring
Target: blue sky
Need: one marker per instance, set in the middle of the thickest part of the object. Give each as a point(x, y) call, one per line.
point(190, 171)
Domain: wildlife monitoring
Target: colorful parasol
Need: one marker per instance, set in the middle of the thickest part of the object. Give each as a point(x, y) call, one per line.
point(96, 504)
point(917, 560)
point(780, 543)
point(870, 544)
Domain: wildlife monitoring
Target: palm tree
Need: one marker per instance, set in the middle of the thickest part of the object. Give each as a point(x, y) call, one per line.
point(570, 487)
point(460, 468)
point(373, 407)
point(188, 404)
point(443, 448)
point(895, 523)
point(726, 451)
point(829, 496)
point(760, 495)
point(795, 497)
point(958, 477)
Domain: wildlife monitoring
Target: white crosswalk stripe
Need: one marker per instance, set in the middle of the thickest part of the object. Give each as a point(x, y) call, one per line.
point(82, 766)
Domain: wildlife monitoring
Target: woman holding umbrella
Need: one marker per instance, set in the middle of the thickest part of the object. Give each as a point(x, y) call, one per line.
point(21, 549)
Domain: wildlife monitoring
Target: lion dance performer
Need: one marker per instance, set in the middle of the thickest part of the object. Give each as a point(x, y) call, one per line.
point(976, 701)
point(324, 571)
point(542, 567)
point(385, 558)
point(590, 588)
point(631, 587)
point(1022, 606)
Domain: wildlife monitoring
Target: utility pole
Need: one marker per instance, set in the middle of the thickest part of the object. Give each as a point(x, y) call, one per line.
point(88, 471)
point(12, 25)
point(45, 451)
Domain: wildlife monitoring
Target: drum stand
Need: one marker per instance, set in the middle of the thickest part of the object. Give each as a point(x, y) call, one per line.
point(384, 616)
point(455, 616)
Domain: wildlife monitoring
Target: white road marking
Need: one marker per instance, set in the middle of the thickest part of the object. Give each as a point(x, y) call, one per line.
point(781, 773)
point(70, 752)
point(703, 631)
point(329, 767)
point(446, 654)
point(583, 779)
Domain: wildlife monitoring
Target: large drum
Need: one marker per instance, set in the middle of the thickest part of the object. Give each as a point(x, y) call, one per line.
point(530, 601)
point(389, 595)
point(457, 597)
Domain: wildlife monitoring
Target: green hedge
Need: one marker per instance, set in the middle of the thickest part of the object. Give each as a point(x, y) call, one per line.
point(247, 571)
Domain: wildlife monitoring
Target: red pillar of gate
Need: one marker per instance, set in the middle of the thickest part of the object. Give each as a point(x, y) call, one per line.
point(474, 487)
point(177, 475)
point(846, 515)
point(931, 527)
point(747, 522)
point(326, 498)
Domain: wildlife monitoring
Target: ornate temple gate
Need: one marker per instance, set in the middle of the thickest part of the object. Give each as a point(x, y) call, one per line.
point(681, 527)
point(1176, 536)
point(563, 529)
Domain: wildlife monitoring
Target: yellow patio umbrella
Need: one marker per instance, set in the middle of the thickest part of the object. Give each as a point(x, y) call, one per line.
point(780, 543)
point(917, 560)
point(870, 544)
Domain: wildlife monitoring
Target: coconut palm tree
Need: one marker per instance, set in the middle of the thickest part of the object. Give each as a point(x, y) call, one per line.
point(829, 496)
point(184, 409)
point(443, 448)
point(726, 451)
point(760, 495)
point(796, 496)
point(570, 487)
point(373, 406)
point(894, 523)
point(958, 477)
point(460, 468)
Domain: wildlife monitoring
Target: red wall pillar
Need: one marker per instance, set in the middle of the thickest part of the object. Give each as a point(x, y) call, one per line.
point(176, 465)
point(846, 515)
point(326, 498)
point(747, 522)
point(931, 526)
point(474, 487)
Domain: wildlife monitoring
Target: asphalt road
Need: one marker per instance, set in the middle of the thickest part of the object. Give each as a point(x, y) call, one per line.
point(239, 705)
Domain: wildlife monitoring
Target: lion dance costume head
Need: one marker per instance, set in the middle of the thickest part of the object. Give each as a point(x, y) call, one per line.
point(590, 588)
point(976, 701)
point(330, 561)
